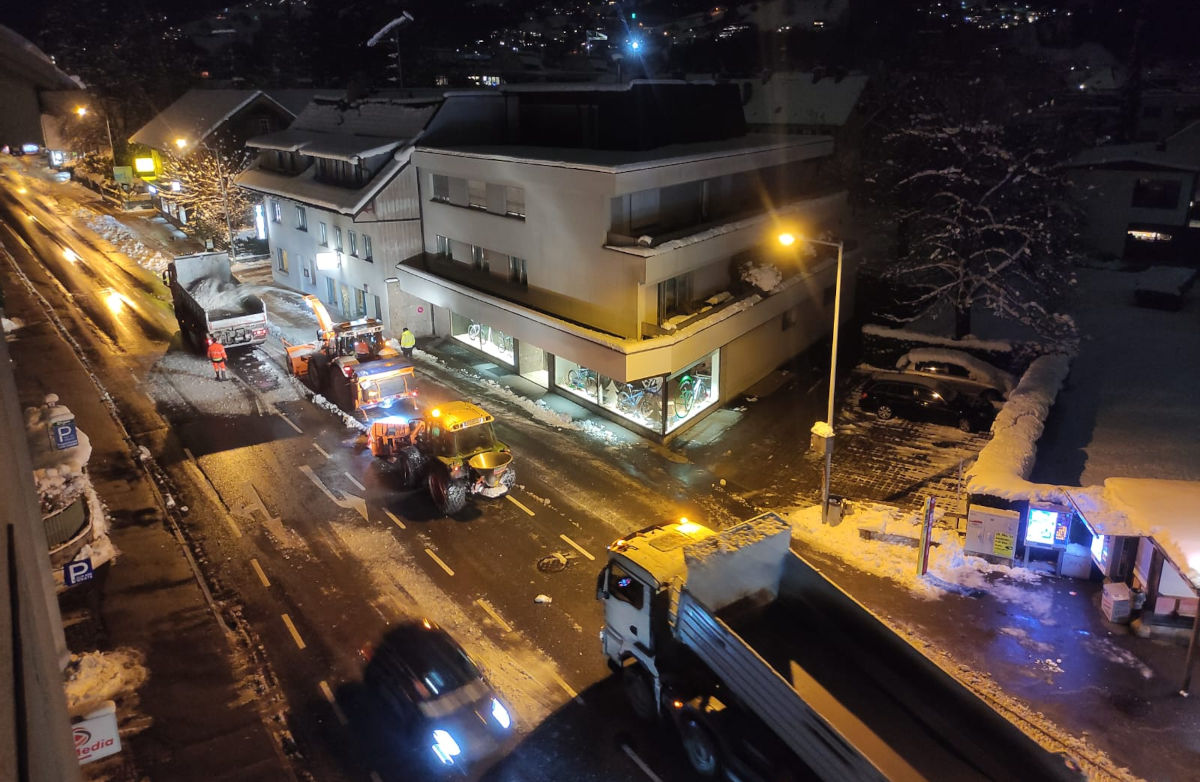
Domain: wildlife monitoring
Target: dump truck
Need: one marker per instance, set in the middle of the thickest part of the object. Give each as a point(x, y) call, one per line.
point(209, 300)
point(352, 364)
point(768, 670)
point(452, 448)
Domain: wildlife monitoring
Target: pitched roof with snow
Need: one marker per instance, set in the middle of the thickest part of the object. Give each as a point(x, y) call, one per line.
point(194, 116)
point(30, 63)
point(1148, 154)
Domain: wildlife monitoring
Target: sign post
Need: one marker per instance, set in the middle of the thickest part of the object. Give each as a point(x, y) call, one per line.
point(926, 538)
point(77, 572)
point(63, 434)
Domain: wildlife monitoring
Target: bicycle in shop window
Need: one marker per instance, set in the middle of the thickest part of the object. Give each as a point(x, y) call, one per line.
point(641, 398)
point(693, 389)
point(479, 334)
point(584, 380)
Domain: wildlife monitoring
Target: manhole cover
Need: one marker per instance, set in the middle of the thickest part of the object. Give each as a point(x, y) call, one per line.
point(552, 564)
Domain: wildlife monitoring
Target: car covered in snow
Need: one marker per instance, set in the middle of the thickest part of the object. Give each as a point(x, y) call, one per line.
point(440, 699)
point(962, 370)
point(923, 398)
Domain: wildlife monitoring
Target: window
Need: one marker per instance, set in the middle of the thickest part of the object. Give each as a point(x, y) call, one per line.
point(301, 219)
point(514, 202)
point(443, 245)
point(516, 270)
point(378, 310)
point(360, 302)
point(476, 194)
point(323, 233)
point(625, 587)
point(337, 238)
point(367, 253)
point(276, 212)
point(477, 256)
point(674, 296)
point(1156, 193)
point(441, 188)
point(283, 260)
point(330, 290)
point(353, 243)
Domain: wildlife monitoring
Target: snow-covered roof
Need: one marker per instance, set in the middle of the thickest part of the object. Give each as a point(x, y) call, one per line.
point(385, 118)
point(194, 116)
point(17, 55)
point(328, 145)
point(305, 189)
point(1147, 154)
point(617, 161)
point(1167, 511)
point(800, 98)
point(287, 140)
point(294, 100)
point(977, 369)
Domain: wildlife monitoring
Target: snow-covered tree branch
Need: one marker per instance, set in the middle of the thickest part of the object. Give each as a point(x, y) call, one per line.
point(205, 188)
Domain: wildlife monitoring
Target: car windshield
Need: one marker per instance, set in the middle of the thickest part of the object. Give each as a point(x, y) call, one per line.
point(473, 439)
point(438, 665)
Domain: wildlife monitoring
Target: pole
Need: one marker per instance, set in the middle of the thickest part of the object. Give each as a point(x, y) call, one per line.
point(926, 538)
point(1191, 656)
point(111, 148)
point(837, 319)
point(225, 198)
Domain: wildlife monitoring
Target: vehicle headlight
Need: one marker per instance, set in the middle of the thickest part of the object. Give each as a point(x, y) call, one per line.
point(500, 714)
point(445, 747)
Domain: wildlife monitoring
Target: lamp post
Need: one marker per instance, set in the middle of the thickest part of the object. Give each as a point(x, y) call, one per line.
point(787, 240)
point(112, 150)
point(182, 144)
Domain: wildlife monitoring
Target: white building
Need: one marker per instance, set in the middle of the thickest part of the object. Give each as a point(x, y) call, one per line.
point(595, 240)
point(340, 200)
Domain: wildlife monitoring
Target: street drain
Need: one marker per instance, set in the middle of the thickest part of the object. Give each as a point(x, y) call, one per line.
point(552, 564)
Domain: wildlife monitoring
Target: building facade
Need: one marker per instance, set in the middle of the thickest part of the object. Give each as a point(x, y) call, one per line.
point(340, 203)
point(619, 244)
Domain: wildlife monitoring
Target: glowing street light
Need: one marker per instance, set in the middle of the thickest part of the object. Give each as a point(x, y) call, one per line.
point(787, 240)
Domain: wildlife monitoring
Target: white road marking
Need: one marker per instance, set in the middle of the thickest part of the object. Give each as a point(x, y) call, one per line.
point(287, 620)
point(288, 421)
point(444, 566)
point(312, 476)
point(261, 575)
point(394, 519)
point(188, 452)
point(321, 450)
point(337, 710)
point(576, 546)
point(492, 613)
point(349, 501)
point(354, 480)
point(517, 502)
point(640, 763)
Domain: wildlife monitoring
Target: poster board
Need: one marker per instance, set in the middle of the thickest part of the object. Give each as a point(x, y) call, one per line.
point(992, 532)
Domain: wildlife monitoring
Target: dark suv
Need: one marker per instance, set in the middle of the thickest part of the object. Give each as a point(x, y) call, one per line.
point(918, 398)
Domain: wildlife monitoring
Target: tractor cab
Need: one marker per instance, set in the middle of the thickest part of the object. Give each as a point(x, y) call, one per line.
point(460, 430)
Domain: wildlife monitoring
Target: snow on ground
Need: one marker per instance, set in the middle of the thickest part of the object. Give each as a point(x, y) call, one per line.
point(94, 677)
point(180, 377)
point(950, 570)
point(124, 239)
point(12, 324)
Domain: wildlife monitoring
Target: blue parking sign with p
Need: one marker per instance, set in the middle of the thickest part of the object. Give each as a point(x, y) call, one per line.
point(63, 434)
point(77, 572)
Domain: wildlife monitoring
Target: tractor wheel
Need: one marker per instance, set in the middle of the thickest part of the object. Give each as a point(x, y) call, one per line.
point(450, 496)
point(508, 478)
point(703, 753)
point(318, 371)
point(411, 464)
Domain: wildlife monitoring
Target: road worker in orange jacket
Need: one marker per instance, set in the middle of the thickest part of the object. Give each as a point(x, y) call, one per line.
point(216, 354)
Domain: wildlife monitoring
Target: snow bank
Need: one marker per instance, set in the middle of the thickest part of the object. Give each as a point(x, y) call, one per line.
point(102, 676)
point(1004, 463)
point(977, 369)
point(124, 239)
point(996, 345)
point(12, 324)
point(58, 475)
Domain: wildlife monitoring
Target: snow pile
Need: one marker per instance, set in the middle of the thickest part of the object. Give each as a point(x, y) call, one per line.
point(58, 475)
point(993, 345)
point(1004, 463)
point(764, 278)
point(977, 369)
point(12, 324)
point(537, 409)
point(950, 569)
point(94, 677)
point(348, 420)
point(124, 239)
point(738, 561)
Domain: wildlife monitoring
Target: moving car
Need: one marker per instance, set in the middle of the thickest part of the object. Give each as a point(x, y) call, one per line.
point(439, 697)
point(964, 371)
point(923, 398)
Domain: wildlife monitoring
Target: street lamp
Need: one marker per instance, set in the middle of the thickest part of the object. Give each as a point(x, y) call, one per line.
point(787, 240)
point(182, 144)
point(112, 150)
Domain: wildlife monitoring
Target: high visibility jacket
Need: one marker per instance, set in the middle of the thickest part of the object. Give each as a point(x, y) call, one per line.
point(407, 339)
point(216, 352)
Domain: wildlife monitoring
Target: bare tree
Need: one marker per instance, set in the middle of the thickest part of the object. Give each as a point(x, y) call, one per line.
point(206, 189)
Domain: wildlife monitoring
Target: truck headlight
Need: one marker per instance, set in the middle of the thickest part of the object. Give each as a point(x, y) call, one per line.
point(500, 714)
point(445, 747)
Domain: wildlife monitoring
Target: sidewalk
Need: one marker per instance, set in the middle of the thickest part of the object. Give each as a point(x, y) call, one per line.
point(194, 718)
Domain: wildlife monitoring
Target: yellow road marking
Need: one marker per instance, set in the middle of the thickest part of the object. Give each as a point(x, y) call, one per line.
point(261, 575)
point(517, 502)
point(287, 620)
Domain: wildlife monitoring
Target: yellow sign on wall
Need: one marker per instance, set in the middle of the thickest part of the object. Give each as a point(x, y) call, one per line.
point(143, 165)
point(1004, 545)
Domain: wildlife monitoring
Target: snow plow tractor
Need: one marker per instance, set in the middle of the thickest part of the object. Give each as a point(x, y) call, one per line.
point(352, 365)
point(452, 448)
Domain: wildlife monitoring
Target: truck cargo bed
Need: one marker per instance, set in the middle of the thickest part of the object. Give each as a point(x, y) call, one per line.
point(816, 650)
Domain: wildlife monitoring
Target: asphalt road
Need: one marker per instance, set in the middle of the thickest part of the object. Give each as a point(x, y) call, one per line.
point(311, 550)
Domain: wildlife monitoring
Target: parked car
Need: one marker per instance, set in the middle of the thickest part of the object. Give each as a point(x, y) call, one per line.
point(964, 371)
point(923, 398)
point(439, 697)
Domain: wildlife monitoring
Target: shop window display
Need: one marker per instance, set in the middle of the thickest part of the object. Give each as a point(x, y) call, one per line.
point(692, 391)
point(484, 338)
